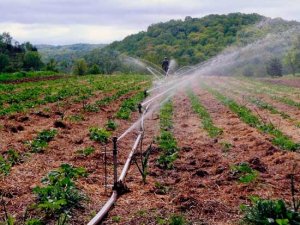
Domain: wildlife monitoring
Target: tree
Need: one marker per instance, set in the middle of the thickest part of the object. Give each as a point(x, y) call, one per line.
point(4, 62)
point(80, 67)
point(274, 67)
point(291, 61)
point(94, 69)
point(248, 72)
point(51, 65)
point(32, 61)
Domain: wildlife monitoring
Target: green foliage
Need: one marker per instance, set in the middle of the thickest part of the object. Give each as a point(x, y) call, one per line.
point(177, 220)
point(41, 141)
point(279, 139)
point(16, 57)
point(86, 152)
point(207, 122)
point(65, 55)
point(95, 69)
point(129, 105)
point(189, 42)
point(52, 65)
point(116, 219)
point(80, 67)
point(269, 212)
point(166, 140)
point(99, 134)
point(32, 61)
point(34, 222)
point(274, 67)
point(60, 194)
point(111, 125)
point(10, 220)
point(91, 108)
point(12, 158)
point(4, 62)
point(245, 173)
point(264, 105)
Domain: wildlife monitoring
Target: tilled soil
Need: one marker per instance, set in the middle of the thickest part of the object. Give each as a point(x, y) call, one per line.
point(201, 186)
point(285, 82)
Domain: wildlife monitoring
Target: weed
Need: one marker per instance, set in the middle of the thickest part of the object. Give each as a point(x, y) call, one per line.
point(99, 134)
point(12, 158)
point(144, 161)
point(226, 146)
point(111, 125)
point(76, 118)
point(245, 173)
point(161, 188)
point(91, 108)
point(34, 222)
point(177, 220)
point(86, 152)
point(116, 219)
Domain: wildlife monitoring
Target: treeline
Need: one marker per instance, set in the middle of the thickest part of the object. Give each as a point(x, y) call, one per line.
point(190, 41)
point(16, 57)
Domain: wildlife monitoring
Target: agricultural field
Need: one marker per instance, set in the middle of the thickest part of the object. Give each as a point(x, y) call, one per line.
point(208, 152)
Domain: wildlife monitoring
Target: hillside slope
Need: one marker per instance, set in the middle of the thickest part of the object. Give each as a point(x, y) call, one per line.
point(190, 41)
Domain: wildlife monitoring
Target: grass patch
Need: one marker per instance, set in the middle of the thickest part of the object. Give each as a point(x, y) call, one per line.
point(245, 173)
point(86, 151)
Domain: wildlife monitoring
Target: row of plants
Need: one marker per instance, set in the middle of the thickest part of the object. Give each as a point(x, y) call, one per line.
point(40, 94)
point(279, 139)
point(206, 120)
point(130, 105)
point(268, 90)
point(257, 101)
point(166, 141)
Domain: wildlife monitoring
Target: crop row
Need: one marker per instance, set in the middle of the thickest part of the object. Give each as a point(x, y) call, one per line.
point(279, 139)
point(30, 98)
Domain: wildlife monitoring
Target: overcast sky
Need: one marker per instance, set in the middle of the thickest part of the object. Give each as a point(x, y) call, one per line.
point(103, 21)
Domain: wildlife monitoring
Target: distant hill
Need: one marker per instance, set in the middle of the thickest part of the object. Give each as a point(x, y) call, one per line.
point(66, 54)
point(189, 41)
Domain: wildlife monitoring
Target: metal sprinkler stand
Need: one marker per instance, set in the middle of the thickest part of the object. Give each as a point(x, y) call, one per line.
point(140, 107)
point(115, 159)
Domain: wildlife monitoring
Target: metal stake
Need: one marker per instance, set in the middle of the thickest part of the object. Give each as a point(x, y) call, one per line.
point(115, 158)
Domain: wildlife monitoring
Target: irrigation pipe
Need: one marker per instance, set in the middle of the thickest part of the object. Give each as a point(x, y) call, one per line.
point(105, 209)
